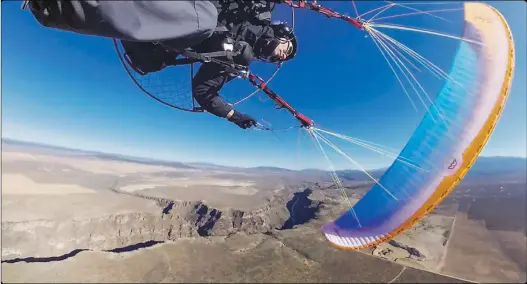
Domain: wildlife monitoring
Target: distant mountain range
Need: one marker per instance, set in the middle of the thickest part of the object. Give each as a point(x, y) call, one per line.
point(52, 149)
point(484, 168)
point(494, 165)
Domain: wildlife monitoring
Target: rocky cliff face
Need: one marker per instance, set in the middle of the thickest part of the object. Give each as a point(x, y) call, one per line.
point(176, 219)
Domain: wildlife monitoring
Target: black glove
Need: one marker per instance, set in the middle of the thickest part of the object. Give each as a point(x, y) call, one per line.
point(242, 120)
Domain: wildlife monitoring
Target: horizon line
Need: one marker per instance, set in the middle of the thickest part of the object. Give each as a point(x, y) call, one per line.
point(201, 162)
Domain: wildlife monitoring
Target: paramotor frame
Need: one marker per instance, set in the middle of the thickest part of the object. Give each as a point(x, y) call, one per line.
point(192, 105)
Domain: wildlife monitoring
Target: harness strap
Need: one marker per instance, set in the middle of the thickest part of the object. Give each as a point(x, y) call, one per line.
point(207, 57)
point(229, 66)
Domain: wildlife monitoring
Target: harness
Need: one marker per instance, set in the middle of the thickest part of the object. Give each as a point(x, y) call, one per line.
point(234, 17)
point(231, 45)
point(145, 58)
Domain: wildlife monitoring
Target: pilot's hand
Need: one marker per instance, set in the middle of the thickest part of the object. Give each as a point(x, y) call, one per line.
point(242, 120)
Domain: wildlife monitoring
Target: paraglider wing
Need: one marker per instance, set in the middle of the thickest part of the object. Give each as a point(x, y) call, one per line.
point(447, 142)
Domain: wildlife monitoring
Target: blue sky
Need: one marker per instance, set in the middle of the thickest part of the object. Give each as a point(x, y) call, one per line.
point(70, 90)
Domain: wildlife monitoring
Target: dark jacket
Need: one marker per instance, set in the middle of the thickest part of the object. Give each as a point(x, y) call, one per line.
point(250, 42)
point(211, 77)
